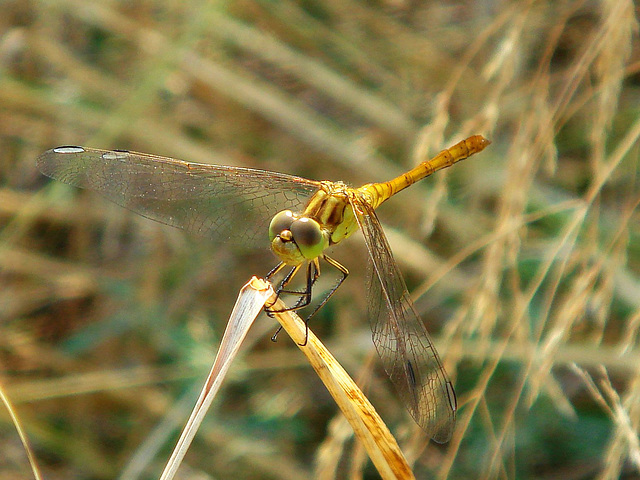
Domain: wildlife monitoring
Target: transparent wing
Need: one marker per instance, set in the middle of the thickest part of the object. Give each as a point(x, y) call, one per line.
point(226, 204)
point(402, 341)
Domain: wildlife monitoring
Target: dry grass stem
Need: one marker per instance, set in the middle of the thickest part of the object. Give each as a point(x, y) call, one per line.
point(367, 425)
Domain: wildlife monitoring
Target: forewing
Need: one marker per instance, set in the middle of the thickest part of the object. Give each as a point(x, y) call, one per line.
point(226, 204)
point(400, 337)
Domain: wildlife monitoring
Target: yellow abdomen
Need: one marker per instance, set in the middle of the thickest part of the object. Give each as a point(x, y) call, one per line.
point(330, 205)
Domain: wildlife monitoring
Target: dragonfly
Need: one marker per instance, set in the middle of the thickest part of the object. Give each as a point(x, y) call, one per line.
point(300, 218)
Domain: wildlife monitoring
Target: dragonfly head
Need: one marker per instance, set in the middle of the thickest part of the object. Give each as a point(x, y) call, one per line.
point(295, 238)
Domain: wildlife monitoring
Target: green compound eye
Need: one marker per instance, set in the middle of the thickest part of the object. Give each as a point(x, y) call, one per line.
point(280, 222)
point(309, 237)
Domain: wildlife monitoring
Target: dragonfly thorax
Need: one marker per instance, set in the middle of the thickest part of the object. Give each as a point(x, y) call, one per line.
point(296, 238)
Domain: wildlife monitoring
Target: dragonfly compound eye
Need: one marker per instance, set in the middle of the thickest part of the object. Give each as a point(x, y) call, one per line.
point(309, 237)
point(280, 222)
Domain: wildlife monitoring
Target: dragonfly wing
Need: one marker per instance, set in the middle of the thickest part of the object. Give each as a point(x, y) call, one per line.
point(400, 337)
point(226, 204)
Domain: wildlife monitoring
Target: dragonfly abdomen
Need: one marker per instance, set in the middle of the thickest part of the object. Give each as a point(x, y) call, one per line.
point(379, 192)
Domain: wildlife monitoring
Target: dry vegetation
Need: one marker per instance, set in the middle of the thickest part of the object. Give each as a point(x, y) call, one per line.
point(524, 260)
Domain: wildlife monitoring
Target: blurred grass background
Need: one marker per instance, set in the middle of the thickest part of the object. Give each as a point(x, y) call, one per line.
point(524, 260)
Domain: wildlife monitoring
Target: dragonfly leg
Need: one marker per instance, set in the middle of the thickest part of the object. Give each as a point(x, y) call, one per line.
point(280, 289)
point(275, 270)
point(313, 273)
point(268, 276)
point(305, 295)
point(345, 273)
point(285, 281)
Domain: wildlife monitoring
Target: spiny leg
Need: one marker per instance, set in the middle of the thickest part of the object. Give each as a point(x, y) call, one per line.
point(305, 294)
point(310, 282)
point(313, 273)
point(286, 279)
point(275, 270)
point(345, 273)
point(283, 283)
